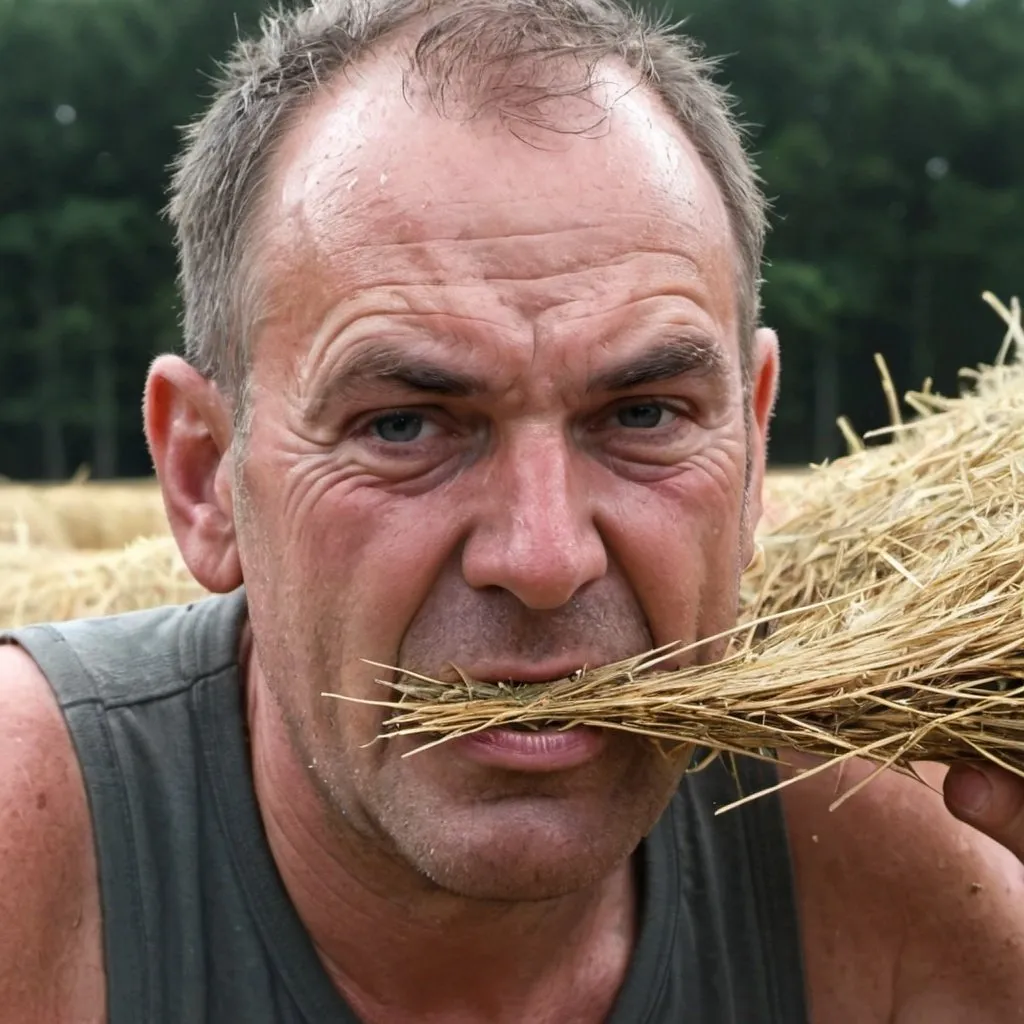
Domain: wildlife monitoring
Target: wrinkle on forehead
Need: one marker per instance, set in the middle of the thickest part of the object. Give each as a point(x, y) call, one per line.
point(371, 191)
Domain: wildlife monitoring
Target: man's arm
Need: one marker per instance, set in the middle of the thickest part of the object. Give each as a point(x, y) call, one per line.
point(968, 967)
point(910, 916)
point(50, 933)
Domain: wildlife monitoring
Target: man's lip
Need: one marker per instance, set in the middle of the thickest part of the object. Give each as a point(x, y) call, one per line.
point(546, 750)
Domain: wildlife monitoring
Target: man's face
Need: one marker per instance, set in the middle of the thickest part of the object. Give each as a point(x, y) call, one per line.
point(497, 424)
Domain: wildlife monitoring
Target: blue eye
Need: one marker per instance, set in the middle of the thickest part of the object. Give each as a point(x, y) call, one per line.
point(643, 416)
point(398, 427)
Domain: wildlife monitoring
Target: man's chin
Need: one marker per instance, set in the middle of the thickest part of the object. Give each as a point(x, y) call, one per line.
point(520, 841)
point(486, 830)
point(522, 851)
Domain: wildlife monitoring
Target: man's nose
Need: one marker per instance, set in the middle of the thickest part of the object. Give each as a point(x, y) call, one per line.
point(535, 535)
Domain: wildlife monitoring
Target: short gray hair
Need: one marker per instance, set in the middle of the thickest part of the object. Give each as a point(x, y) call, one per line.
point(268, 82)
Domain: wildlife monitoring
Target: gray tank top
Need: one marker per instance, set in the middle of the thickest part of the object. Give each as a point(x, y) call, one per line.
point(198, 928)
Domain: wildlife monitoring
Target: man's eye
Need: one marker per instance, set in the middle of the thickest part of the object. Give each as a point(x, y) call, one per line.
point(643, 416)
point(399, 427)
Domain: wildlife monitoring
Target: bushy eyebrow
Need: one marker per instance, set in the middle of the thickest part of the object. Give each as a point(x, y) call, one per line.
point(391, 364)
point(676, 357)
point(388, 364)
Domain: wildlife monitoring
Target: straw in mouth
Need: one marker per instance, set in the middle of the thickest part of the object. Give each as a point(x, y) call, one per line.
point(884, 620)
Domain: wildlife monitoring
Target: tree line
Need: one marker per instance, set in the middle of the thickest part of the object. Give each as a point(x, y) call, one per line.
point(888, 133)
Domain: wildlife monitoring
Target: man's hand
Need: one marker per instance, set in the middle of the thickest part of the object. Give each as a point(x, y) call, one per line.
point(990, 799)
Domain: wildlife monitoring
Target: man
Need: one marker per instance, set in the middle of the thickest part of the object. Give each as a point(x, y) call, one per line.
point(473, 380)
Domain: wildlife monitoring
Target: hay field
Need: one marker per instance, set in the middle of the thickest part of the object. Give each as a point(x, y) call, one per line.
point(83, 548)
point(80, 515)
point(98, 548)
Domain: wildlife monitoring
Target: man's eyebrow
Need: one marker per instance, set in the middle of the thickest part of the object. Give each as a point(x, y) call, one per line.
point(676, 357)
point(385, 364)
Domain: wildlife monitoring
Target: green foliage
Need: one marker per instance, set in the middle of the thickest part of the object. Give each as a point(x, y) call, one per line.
point(887, 132)
point(90, 101)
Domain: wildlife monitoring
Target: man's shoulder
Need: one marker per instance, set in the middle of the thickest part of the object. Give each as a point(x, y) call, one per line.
point(36, 753)
point(48, 889)
point(44, 822)
point(908, 914)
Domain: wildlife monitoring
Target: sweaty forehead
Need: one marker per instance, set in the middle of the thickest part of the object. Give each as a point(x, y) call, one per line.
point(373, 180)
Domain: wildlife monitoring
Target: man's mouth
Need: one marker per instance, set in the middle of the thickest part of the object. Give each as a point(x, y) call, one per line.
point(533, 748)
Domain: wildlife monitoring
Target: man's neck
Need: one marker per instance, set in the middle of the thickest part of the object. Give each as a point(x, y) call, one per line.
point(399, 948)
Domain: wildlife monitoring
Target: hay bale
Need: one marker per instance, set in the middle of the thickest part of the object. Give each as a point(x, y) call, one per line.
point(101, 515)
point(783, 493)
point(16, 558)
point(26, 518)
point(84, 515)
point(37, 585)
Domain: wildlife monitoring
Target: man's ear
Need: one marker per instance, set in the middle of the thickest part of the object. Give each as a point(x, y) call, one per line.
point(764, 383)
point(189, 430)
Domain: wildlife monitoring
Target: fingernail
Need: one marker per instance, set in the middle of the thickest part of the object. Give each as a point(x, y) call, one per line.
point(972, 791)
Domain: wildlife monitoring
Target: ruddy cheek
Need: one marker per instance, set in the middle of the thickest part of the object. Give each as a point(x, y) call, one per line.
point(684, 560)
point(383, 558)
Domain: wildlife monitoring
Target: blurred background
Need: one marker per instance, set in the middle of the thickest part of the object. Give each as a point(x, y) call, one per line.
point(890, 134)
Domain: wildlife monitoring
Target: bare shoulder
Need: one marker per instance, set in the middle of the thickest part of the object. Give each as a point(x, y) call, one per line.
point(50, 947)
point(908, 915)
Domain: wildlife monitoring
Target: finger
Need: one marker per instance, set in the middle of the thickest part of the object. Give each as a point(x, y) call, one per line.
point(990, 799)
